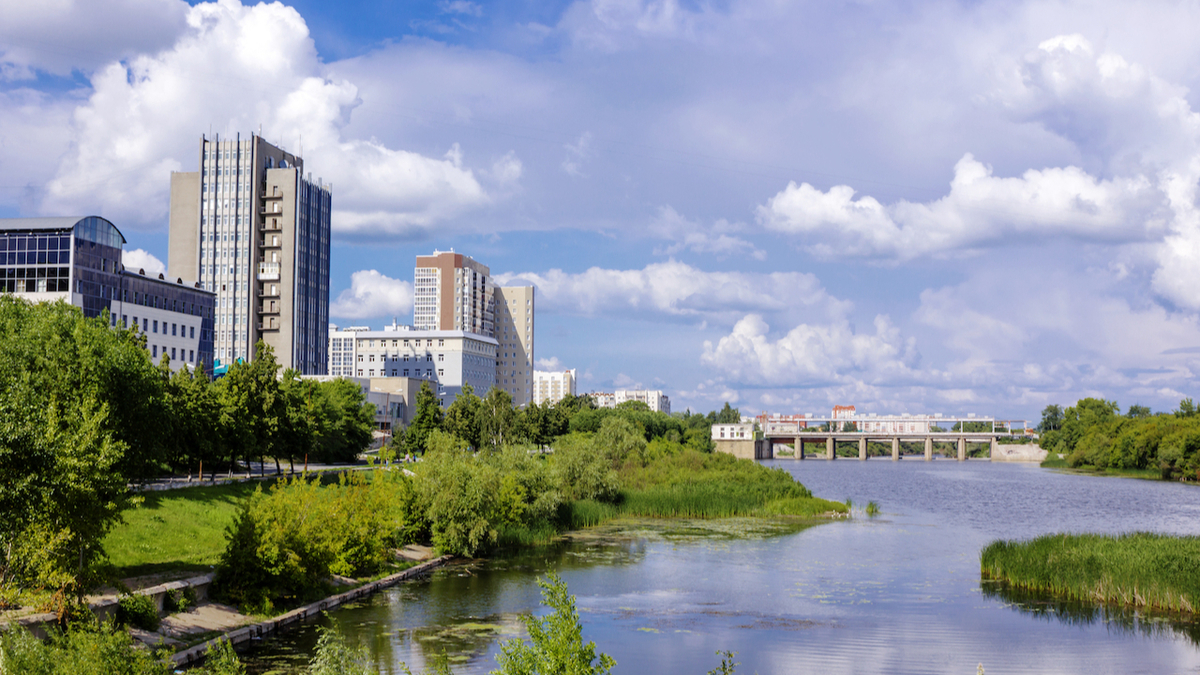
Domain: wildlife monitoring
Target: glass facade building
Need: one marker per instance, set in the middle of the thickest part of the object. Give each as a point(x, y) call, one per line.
point(79, 260)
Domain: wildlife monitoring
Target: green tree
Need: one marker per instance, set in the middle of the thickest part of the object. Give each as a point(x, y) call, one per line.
point(64, 463)
point(343, 421)
point(728, 415)
point(427, 420)
point(195, 410)
point(1138, 412)
point(555, 644)
point(497, 419)
point(1052, 418)
point(1186, 408)
point(251, 405)
point(462, 417)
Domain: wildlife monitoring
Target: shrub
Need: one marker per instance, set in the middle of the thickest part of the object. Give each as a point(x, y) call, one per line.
point(86, 648)
point(176, 601)
point(555, 642)
point(138, 611)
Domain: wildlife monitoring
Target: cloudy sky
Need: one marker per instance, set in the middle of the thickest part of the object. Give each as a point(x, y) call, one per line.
point(933, 206)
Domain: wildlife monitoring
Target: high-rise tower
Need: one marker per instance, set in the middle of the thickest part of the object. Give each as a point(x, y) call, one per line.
point(453, 292)
point(254, 230)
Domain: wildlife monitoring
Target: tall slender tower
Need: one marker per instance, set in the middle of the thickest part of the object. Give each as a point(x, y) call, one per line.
point(254, 230)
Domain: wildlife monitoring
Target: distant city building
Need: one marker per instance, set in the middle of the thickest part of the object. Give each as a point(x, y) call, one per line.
point(446, 359)
point(253, 229)
point(552, 386)
point(721, 432)
point(603, 399)
point(654, 399)
point(78, 259)
point(514, 332)
point(453, 292)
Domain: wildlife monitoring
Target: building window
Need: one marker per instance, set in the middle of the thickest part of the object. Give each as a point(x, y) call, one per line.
point(441, 371)
point(406, 372)
point(441, 357)
point(193, 332)
point(372, 373)
point(172, 353)
point(173, 327)
point(156, 325)
point(360, 358)
point(154, 350)
point(191, 356)
point(441, 343)
point(360, 371)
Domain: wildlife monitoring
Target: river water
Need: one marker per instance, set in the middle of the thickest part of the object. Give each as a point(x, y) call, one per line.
point(899, 593)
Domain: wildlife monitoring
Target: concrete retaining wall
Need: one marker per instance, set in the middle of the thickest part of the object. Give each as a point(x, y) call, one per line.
point(196, 654)
point(745, 448)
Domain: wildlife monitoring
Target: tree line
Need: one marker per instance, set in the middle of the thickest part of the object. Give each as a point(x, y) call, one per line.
point(84, 412)
point(493, 421)
point(1093, 432)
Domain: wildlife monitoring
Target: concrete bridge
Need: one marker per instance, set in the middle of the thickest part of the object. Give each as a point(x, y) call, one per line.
point(828, 432)
point(830, 441)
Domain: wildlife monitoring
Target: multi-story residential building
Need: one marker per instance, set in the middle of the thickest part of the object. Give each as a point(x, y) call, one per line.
point(453, 292)
point(514, 332)
point(654, 399)
point(448, 359)
point(254, 230)
point(552, 386)
point(78, 259)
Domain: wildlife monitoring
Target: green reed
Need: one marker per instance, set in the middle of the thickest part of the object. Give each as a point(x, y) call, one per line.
point(1140, 569)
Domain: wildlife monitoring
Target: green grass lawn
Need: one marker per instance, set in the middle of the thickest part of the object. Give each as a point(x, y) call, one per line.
point(175, 530)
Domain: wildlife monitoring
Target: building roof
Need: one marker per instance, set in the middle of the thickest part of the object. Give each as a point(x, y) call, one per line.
point(411, 334)
point(52, 223)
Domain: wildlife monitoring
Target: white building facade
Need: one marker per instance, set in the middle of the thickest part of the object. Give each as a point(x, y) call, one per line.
point(446, 359)
point(653, 398)
point(552, 386)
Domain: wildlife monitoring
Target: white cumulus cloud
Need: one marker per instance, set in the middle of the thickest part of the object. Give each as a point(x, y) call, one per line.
point(811, 354)
point(233, 69)
point(980, 209)
point(137, 258)
point(372, 295)
point(676, 289)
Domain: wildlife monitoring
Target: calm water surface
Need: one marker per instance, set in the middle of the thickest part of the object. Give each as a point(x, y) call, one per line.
point(895, 594)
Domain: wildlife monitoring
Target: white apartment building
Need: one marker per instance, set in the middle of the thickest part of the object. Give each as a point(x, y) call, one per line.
point(654, 399)
point(552, 386)
point(447, 359)
point(730, 432)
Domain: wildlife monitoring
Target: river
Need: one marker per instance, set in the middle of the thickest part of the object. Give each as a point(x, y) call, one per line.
point(899, 593)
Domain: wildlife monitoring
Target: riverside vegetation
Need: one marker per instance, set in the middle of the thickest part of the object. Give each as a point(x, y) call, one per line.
point(84, 413)
point(1139, 570)
point(1093, 434)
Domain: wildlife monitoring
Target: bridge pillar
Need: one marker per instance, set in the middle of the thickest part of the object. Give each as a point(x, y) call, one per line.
point(862, 449)
point(895, 449)
point(830, 448)
point(962, 449)
point(992, 450)
point(928, 449)
point(799, 453)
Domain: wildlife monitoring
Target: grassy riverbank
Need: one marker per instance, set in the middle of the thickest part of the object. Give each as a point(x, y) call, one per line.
point(1052, 461)
point(1142, 570)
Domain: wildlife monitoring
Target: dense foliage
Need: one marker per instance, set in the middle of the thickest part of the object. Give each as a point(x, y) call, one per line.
point(1138, 570)
point(84, 412)
point(555, 641)
point(287, 541)
point(1094, 433)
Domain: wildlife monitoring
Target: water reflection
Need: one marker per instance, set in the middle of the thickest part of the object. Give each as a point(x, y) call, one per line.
point(896, 594)
point(1079, 613)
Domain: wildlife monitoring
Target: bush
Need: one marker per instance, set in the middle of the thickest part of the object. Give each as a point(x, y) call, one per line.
point(176, 601)
point(287, 542)
point(139, 611)
point(86, 648)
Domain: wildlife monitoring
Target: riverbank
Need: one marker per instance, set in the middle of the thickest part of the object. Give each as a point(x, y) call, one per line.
point(1060, 464)
point(1140, 570)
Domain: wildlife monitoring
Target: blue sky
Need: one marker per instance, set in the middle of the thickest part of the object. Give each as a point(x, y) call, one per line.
point(944, 207)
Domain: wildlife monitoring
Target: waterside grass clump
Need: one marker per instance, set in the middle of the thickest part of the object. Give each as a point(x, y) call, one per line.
point(1140, 570)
